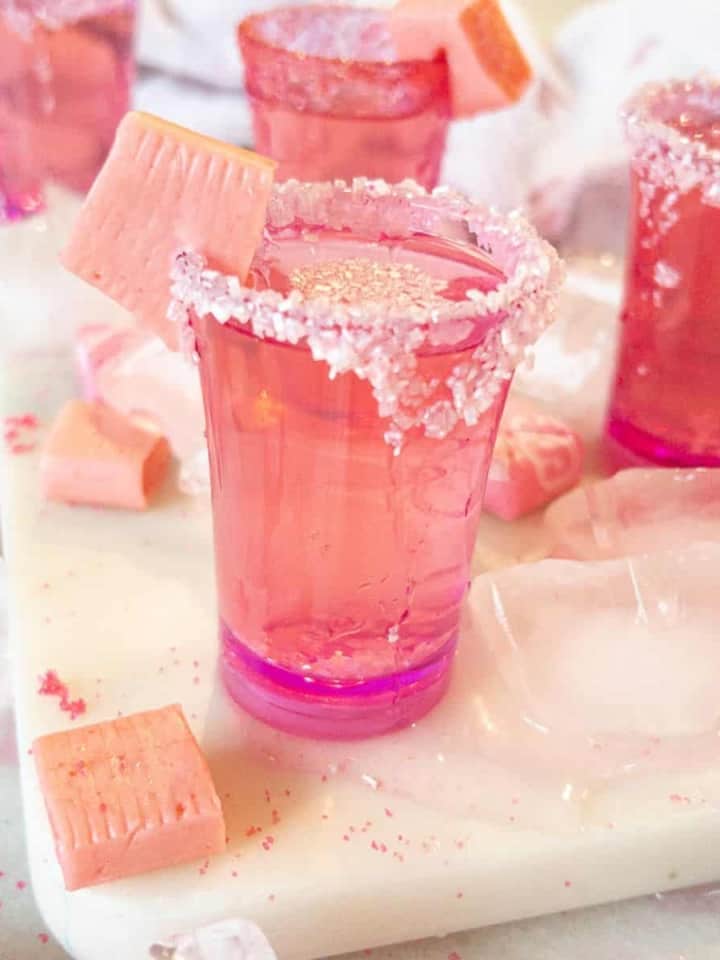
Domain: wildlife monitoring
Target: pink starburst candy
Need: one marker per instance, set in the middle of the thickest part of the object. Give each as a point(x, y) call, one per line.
point(128, 796)
point(536, 458)
point(134, 372)
point(97, 457)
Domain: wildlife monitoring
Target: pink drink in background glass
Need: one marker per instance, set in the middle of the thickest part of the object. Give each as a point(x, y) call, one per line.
point(330, 101)
point(666, 402)
point(64, 86)
point(352, 400)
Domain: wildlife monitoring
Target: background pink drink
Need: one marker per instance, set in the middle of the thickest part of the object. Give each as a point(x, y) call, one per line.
point(64, 86)
point(330, 101)
point(343, 534)
point(666, 402)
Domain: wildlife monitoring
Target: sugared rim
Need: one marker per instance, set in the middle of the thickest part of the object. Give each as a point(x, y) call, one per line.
point(531, 265)
point(670, 157)
point(348, 337)
point(57, 13)
point(248, 33)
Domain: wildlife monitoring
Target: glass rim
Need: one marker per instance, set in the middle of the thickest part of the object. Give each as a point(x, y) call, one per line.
point(248, 33)
point(533, 270)
point(652, 136)
point(59, 13)
point(380, 344)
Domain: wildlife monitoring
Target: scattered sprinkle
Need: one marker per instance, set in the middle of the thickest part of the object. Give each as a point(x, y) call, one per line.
point(678, 798)
point(52, 686)
point(568, 883)
point(388, 813)
point(43, 937)
point(21, 885)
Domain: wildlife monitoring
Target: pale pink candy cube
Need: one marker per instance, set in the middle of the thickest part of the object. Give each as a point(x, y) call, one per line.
point(135, 373)
point(536, 458)
point(97, 457)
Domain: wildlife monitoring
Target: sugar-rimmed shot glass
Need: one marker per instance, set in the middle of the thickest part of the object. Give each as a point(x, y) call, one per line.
point(353, 394)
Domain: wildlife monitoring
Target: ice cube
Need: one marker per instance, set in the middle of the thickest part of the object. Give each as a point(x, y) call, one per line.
point(228, 940)
point(637, 511)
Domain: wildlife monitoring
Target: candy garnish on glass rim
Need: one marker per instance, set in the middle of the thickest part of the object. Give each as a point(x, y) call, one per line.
point(162, 189)
point(488, 69)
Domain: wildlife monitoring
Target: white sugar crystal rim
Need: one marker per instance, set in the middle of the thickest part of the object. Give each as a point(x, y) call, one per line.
point(662, 153)
point(379, 342)
point(58, 13)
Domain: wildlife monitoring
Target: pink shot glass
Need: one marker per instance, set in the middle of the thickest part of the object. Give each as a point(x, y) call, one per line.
point(329, 99)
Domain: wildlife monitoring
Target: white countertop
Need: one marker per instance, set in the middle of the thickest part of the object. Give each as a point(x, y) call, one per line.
point(682, 926)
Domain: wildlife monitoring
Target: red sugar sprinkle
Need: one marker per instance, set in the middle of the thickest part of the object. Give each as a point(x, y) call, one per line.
point(515, 801)
point(52, 686)
point(454, 956)
point(275, 817)
point(568, 883)
point(196, 680)
point(234, 873)
point(251, 831)
point(271, 897)
point(196, 663)
point(43, 937)
point(459, 894)
point(286, 792)
point(374, 845)
point(21, 885)
point(346, 838)
point(677, 798)
point(388, 813)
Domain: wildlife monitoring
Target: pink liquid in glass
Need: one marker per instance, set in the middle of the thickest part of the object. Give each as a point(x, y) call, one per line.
point(352, 393)
point(64, 88)
point(330, 101)
point(666, 403)
point(341, 567)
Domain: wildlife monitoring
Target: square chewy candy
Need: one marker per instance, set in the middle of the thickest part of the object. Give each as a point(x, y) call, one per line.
point(128, 796)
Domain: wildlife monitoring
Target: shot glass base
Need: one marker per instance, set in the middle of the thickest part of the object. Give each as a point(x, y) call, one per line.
point(326, 710)
point(627, 446)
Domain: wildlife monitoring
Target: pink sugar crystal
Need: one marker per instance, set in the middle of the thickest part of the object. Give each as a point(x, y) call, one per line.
point(52, 686)
point(536, 459)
